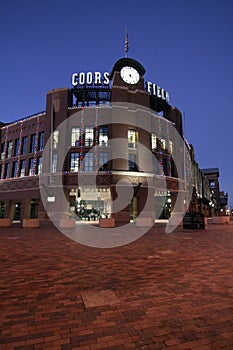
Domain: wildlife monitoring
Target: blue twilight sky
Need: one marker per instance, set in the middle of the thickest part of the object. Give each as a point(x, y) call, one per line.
point(184, 45)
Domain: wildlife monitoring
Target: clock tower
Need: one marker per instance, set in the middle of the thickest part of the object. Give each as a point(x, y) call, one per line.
point(128, 89)
point(128, 82)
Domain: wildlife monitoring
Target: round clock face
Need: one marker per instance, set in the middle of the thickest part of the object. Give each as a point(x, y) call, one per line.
point(130, 75)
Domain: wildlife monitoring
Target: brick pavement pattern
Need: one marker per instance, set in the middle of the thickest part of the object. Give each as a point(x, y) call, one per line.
point(163, 291)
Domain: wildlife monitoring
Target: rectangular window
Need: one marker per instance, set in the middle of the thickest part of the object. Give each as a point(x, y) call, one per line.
point(39, 165)
point(55, 139)
point(132, 162)
point(74, 162)
point(34, 209)
point(156, 166)
point(41, 141)
point(15, 169)
point(2, 151)
point(7, 170)
point(171, 146)
point(22, 168)
point(163, 144)
point(212, 184)
point(103, 160)
point(173, 169)
point(75, 137)
point(88, 162)
point(103, 136)
point(54, 163)
point(89, 136)
point(165, 172)
point(31, 167)
point(33, 143)
point(132, 138)
point(9, 149)
point(16, 149)
point(24, 145)
point(153, 141)
point(2, 210)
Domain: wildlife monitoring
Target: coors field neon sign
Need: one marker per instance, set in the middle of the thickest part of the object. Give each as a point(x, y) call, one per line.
point(98, 78)
point(90, 78)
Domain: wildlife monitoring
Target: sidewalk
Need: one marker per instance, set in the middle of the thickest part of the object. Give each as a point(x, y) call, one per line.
point(163, 291)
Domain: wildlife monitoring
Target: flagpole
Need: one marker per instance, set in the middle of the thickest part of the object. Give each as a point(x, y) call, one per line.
point(126, 43)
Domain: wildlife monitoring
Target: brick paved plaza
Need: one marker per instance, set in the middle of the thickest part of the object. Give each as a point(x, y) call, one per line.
point(163, 291)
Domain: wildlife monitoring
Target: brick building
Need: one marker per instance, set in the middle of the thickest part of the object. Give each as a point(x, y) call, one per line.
point(88, 151)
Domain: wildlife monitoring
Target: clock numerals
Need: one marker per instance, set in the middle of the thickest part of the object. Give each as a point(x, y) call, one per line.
point(130, 75)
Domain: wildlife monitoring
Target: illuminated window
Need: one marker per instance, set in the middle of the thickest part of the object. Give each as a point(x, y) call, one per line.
point(15, 169)
point(9, 149)
point(103, 160)
point(55, 139)
point(171, 148)
point(88, 162)
point(39, 165)
point(7, 170)
point(41, 141)
point(212, 184)
point(132, 162)
point(74, 161)
point(31, 167)
point(163, 144)
point(33, 143)
point(24, 145)
point(89, 136)
point(132, 138)
point(16, 150)
point(22, 168)
point(103, 136)
point(153, 141)
point(75, 137)
point(54, 163)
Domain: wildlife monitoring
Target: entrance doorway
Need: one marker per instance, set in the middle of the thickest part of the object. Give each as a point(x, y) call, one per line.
point(90, 204)
point(163, 205)
point(34, 209)
point(17, 211)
